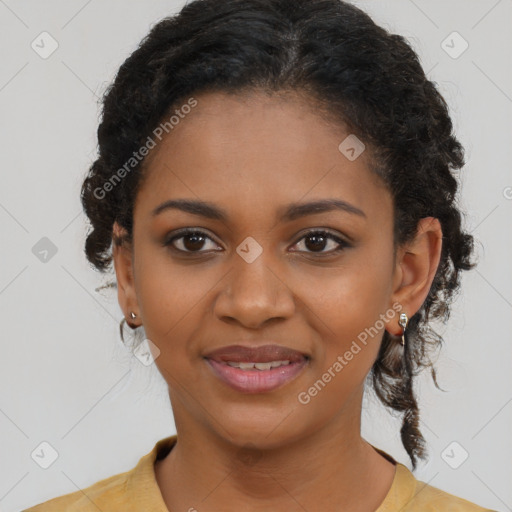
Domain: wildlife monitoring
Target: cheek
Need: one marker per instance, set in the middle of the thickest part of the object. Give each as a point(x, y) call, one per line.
point(351, 336)
point(349, 308)
point(169, 296)
point(349, 299)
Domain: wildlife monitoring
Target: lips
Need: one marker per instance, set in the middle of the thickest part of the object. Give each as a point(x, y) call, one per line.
point(263, 354)
point(256, 370)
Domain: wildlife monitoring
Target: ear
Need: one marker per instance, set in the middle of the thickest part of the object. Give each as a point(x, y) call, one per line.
point(415, 268)
point(123, 264)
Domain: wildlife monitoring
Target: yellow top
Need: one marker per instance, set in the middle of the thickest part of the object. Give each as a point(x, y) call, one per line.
point(137, 491)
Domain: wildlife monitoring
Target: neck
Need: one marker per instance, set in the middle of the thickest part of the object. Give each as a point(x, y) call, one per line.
point(204, 471)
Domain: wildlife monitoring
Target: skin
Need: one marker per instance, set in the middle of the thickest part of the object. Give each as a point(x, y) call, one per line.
point(252, 155)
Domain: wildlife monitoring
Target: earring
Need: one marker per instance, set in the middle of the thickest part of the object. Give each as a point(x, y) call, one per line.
point(403, 320)
point(133, 316)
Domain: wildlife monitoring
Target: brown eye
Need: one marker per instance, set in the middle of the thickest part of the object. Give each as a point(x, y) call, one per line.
point(317, 241)
point(189, 241)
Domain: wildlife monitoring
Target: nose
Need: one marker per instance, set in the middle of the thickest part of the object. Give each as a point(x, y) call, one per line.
point(254, 294)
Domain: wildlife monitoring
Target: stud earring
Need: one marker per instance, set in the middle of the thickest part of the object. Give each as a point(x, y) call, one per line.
point(403, 320)
point(133, 316)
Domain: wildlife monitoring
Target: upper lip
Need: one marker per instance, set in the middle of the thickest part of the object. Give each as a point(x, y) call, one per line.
point(261, 354)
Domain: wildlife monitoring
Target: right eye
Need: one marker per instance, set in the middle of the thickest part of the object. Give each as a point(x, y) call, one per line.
point(188, 240)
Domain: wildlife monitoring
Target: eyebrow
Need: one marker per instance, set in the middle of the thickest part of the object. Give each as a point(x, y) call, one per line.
point(291, 212)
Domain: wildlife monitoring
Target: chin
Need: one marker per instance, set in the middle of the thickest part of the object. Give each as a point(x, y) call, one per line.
point(261, 427)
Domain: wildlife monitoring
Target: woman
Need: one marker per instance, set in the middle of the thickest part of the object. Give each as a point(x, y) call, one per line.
point(275, 190)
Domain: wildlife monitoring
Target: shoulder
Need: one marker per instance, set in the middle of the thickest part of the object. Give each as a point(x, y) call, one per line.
point(432, 498)
point(104, 493)
point(407, 494)
point(133, 490)
point(416, 496)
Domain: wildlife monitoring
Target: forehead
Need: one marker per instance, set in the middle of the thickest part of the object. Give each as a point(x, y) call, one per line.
point(255, 152)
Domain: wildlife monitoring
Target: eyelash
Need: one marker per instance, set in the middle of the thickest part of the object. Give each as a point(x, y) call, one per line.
point(326, 234)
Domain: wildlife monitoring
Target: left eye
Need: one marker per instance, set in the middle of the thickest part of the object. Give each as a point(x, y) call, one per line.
point(319, 239)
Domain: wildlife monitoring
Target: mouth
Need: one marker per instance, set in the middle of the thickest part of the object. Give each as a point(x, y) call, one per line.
point(256, 370)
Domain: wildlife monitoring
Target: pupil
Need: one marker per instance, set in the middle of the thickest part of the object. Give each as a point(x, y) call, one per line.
point(196, 239)
point(319, 242)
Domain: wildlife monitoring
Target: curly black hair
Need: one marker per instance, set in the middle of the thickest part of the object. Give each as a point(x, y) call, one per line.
point(358, 75)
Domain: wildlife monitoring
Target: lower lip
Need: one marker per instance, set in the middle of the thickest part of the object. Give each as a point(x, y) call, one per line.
point(256, 381)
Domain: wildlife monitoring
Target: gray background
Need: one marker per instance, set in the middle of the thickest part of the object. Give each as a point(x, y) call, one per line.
point(65, 377)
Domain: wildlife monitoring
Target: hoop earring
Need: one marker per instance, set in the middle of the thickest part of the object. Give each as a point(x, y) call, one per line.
point(121, 333)
point(124, 321)
point(402, 321)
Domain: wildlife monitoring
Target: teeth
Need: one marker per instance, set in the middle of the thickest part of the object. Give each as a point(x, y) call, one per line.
point(258, 366)
point(263, 366)
point(245, 366)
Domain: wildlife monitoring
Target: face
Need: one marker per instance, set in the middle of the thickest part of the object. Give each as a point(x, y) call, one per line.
point(260, 269)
